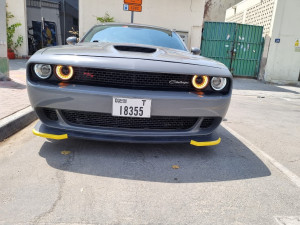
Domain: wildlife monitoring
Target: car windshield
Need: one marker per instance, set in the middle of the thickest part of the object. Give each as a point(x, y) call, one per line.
point(136, 35)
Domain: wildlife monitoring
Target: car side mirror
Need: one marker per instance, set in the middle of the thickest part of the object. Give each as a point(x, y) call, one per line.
point(195, 51)
point(72, 40)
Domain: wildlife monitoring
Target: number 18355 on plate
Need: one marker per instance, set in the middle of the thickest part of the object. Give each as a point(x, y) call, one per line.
point(131, 107)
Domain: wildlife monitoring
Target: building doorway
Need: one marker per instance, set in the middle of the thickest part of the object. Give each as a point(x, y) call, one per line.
point(49, 22)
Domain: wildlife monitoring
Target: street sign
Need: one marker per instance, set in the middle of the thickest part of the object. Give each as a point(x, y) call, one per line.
point(132, 7)
point(138, 2)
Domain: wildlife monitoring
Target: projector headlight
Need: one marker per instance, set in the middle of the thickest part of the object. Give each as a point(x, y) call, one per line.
point(200, 82)
point(43, 71)
point(218, 83)
point(64, 72)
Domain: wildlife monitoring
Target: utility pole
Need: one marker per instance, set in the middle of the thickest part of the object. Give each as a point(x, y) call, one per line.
point(42, 25)
point(133, 6)
point(64, 40)
point(132, 16)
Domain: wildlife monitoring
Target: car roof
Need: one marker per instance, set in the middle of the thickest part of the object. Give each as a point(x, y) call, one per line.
point(136, 25)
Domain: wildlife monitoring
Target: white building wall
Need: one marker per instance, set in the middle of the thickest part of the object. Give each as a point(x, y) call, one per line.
point(261, 15)
point(3, 45)
point(215, 10)
point(246, 4)
point(283, 63)
point(18, 9)
point(182, 15)
point(253, 12)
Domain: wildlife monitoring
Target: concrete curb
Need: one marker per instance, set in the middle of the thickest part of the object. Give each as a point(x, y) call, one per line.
point(15, 122)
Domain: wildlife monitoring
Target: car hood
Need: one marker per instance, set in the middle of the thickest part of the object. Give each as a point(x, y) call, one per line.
point(132, 51)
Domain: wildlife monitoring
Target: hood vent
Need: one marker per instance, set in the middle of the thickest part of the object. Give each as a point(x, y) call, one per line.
point(134, 49)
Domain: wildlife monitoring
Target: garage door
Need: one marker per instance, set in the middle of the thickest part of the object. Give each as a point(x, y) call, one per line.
point(238, 46)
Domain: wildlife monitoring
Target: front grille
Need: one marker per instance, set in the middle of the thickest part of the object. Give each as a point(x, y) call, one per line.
point(132, 80)
point(107, 120)
point(50, 114)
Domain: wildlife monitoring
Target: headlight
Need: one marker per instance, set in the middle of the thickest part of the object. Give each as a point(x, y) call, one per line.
point(64, 72)
point(43, 71)
point(218, 83)
point(200, 82)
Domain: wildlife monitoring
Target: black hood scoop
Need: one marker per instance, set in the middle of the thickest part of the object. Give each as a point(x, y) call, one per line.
point(128, 48)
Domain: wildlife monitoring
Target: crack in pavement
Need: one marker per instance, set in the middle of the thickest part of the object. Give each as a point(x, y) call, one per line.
point(61, 181)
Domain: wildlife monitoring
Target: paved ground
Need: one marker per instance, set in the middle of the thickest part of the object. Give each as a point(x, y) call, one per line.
point(13, 95)
point(269, 117)
point(252, 177)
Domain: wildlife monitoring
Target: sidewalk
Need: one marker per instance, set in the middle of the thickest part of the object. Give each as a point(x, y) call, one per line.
point(15, 110)
point(13, 95)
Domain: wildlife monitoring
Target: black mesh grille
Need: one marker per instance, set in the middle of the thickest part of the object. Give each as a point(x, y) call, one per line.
point(107, 120)
point(50, 114)
point(207, 122)
point(132, 80)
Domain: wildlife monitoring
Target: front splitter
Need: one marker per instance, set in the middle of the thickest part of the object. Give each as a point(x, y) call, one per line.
point(42, 130)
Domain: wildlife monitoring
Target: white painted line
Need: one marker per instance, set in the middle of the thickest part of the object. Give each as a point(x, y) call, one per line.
point(287, 99)
point(293, 177)
point(288, 220)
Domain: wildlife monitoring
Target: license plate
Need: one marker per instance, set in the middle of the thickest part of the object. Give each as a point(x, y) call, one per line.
point(131, 107)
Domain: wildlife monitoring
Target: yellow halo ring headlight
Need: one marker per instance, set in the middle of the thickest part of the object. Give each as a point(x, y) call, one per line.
point(203, 84)
point(65, 74)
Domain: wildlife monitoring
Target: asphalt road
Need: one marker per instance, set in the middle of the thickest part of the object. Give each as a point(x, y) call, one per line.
point(252, 177)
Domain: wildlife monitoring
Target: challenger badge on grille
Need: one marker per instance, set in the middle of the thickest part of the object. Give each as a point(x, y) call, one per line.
point(177, 82)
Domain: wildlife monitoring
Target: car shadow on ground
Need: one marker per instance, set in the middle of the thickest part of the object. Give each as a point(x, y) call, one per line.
point(231, 160)
point(12, 85)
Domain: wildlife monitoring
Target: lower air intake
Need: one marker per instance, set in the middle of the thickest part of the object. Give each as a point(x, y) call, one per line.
point(207, 122)
point(50, 114)
point(107, 120)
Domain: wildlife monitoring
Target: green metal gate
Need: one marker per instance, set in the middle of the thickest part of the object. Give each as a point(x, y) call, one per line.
point(238, 46)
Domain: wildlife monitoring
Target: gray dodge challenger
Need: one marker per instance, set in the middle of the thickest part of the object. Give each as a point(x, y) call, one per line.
point(128, 83)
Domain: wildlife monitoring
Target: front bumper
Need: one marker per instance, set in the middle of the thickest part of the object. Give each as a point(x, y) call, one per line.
point(99, 99)
point(57, 134)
